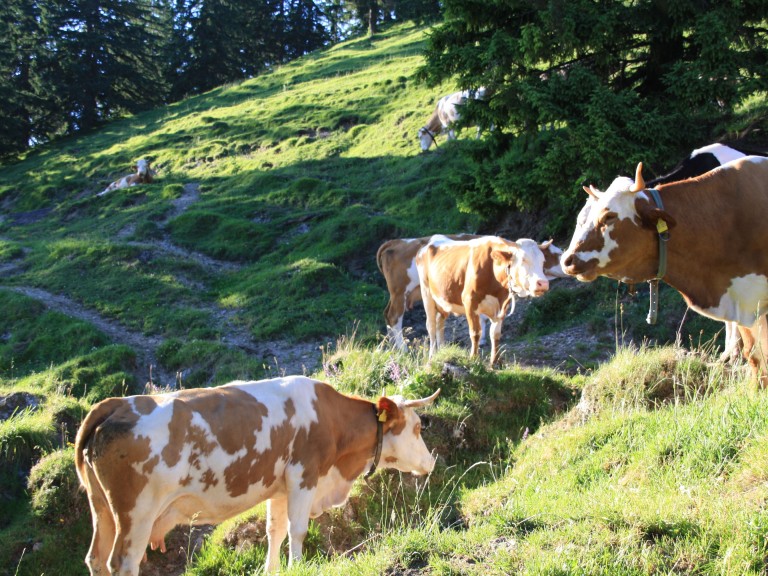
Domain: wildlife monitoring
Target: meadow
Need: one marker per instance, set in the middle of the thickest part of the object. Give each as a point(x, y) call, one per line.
point(622, 449)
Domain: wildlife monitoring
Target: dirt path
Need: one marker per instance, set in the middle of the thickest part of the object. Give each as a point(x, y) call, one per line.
point(280, 356)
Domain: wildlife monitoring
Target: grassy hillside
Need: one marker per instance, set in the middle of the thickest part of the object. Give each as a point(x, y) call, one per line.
point(253, 253)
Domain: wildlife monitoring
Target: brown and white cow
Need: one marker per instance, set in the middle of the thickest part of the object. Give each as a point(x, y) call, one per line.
point(149, 463)
point(716, 249)
point(446, 115)
point(473, 277)
point(144, 175)
point(396, 260)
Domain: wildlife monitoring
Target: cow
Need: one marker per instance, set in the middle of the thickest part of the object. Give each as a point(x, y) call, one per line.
point(700, 161)
point(144, 175)
point(396, 260)
point(446, 114)
point(714, 251)
point(473, 277)
point(149, 463)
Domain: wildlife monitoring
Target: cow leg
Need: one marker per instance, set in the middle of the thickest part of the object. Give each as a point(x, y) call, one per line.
point(474, 323)
point(756, 341)
point(439, 329)
point(299, 508)
point(277, 529)
point(431, 311)
point(732, 346)
point(495, 338)
point(133, 534)
point(103, 528)
point(393, 314)
point(483, 329)
point(752, 353)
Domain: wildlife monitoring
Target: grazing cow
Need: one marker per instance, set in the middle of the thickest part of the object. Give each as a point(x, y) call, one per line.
point(144, 175)
point(473, 277)
point(396, 260)
point(149, 463)
point(715, 254)
point(446, 114)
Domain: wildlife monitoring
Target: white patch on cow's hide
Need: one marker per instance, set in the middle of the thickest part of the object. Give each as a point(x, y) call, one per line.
point(332, 490)
point(443, 304)
point(745, 300)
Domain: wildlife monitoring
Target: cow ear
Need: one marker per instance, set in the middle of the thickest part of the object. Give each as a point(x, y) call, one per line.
point(388, 412)
point(656, 219)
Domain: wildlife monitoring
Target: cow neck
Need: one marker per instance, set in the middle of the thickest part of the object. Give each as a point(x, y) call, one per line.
point(663, 234)
point(379, 441)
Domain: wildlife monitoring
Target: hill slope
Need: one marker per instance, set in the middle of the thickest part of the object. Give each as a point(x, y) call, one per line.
point(253, 254)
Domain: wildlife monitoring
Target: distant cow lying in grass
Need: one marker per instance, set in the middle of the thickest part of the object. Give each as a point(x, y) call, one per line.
point(474, 277)
point(144, 175)
point(446, 114)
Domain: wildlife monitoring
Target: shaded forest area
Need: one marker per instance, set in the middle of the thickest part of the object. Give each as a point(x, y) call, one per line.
point(67, 66)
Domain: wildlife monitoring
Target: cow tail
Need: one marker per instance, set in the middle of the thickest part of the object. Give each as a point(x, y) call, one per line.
point(95, 417)
point(380, 255)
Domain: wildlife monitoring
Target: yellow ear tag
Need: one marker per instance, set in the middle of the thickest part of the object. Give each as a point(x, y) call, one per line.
point(661, 226)
point(383, 416)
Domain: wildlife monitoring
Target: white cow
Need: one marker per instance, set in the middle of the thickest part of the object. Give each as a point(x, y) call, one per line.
point(446, 114)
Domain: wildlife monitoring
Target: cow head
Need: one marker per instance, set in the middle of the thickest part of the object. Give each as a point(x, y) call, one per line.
point(426, 138)
point(142, 167)
point(403, 447)
point(616, 234)
point(520, 266)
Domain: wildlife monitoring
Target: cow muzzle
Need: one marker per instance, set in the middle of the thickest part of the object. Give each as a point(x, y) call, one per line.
point(583, 270)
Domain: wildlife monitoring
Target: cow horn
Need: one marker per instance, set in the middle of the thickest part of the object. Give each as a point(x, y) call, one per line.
point(422, 401)
point(639, 182)
point(545, 245)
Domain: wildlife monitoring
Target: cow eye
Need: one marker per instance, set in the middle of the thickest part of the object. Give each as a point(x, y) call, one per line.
point(425, 422)
point(608, 219)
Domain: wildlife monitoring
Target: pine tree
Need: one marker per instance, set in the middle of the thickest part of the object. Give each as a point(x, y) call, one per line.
point(583, 90)
point(105, 52)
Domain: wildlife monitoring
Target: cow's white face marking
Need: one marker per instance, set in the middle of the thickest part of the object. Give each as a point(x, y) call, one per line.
point(745, 300)
point(598, 219)
point(142, 167)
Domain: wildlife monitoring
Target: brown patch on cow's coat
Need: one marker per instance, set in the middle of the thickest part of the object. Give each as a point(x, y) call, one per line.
point(208, 479)
point(345, 425)
point(144, 405)
point(177, 433)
